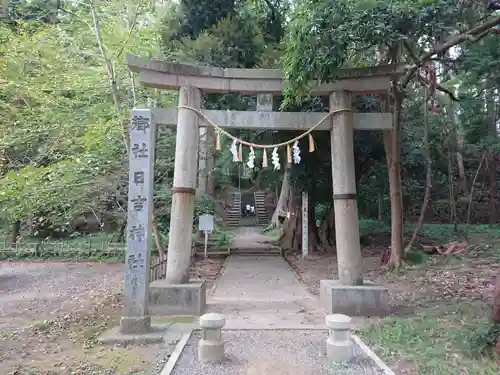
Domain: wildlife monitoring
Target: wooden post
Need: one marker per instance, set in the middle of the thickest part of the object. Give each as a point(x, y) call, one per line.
point(211, 152)
point(305, 224)
point(344, 191)
point(135, 318)
point(202, 161)
point(184, 189)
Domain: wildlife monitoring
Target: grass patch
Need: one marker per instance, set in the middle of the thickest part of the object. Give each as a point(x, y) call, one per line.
point(222, 238)
point(437, 342)
point(101, 246)
point(175, 319)
point(274, 233)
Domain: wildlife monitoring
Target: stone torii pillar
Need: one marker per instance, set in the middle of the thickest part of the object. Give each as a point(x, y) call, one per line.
point(177, 294)
point(344, 191)
point(349, 294)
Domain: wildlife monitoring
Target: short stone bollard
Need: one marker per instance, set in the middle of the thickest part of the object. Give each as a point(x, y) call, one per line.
point(211, 346)
point(339, 345)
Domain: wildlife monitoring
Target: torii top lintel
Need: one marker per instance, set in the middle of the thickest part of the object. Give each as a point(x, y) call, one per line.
point(171, 76)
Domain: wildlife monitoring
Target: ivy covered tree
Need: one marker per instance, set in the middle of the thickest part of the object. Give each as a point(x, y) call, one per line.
point(325, 36)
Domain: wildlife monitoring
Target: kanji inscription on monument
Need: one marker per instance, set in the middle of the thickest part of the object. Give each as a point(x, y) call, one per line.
point(136, 317)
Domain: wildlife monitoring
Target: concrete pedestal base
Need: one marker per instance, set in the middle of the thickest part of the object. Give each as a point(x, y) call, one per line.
point(210, 351)
point(368, 299)
point(177, 299)
point(339, 351)
point(154, 334)
point(132, 325)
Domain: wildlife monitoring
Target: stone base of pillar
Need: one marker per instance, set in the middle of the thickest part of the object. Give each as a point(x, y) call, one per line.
point(368, 299)
point(178, 299)
point(132, 325)
point(155, 333)
point(210, 351)
point(339, 351)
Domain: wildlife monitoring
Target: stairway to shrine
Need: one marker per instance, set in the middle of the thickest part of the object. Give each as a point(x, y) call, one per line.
point(233, 214)
point(260, 208)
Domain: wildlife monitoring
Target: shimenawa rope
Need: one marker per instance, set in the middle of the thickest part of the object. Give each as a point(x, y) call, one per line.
point(256, 145)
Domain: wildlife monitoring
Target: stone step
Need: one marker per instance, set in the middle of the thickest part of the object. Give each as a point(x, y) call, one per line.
point(263, 251)
point(298, 305)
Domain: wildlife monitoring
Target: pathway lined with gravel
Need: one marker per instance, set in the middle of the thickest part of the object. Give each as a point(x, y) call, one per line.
point(274, 325)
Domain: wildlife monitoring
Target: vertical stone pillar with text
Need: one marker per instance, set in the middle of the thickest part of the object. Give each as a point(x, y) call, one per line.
point(177, 294)
point(350, 294)
point(305, 224)
point(203, 161)
point(142, 135)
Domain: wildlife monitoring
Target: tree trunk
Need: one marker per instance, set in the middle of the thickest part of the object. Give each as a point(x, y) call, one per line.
point(113, 86)
point(121, 234)
point(327, 230)
point(451, 192)
point(494, 189)
point(157, 234)
point(291, 238)
point(16, 229)
point(428, 175)
point(392, 143)
point(460, 147)
point(492, 131)
point(283, 198)
point(380, 206)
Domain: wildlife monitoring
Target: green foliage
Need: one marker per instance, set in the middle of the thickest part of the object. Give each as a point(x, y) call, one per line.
point(61, 132)
point(434, 343)
point(484, 340)
point(200, 15)
point(416, 257)
point(325, 36)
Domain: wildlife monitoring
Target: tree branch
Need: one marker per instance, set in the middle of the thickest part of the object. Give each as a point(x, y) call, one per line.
point(448, 92)
point(476, 33)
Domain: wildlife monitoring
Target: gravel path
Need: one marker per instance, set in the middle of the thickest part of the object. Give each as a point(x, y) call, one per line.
point(51, 313)
point(34, 291)
point(280, 352)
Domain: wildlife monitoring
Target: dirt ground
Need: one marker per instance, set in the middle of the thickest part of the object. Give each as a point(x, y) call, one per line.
point(441, 279)
point(51, 313)
point(441, 300)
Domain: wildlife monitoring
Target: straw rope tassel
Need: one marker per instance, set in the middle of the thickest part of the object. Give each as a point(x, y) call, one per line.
point(288, 154)
point(240, 153)
point(264, 159)
point(311, 143)
point(217, 141)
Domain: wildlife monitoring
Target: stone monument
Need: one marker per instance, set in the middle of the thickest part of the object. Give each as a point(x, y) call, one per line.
point(135, 318)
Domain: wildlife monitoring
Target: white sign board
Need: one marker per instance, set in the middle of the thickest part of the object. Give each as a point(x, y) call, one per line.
point(206, 223)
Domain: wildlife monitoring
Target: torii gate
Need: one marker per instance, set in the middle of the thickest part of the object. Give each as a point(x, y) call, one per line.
point(177, 294)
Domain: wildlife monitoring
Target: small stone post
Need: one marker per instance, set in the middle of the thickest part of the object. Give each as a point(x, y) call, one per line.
point(184, 189)
point(339, 345)
point(305, 224)
point(142, 133)
point(211, 346)
point(344, 191)
point(203, 161)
